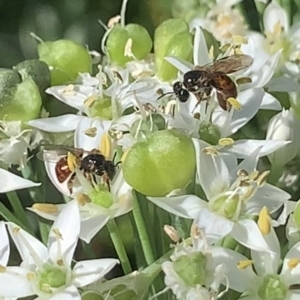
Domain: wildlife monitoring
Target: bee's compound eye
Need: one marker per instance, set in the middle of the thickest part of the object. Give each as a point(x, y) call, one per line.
point(183, 96)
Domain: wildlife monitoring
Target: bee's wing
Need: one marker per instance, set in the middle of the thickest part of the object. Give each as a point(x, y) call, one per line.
point(50, 152)
point(228, 64)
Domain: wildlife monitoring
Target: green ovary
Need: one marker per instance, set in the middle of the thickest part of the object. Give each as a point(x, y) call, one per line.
point(272, 288)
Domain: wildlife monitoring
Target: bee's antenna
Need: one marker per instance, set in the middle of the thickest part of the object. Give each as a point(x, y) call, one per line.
point(168, 93)
point(113, 160)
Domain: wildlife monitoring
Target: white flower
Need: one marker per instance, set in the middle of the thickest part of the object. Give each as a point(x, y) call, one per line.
point(222, 21)
point(284, 126)
point(11, 182)
point(192, 272)
point(270, 280)
point(234, 193)
point(47, 271)
point(98, 204)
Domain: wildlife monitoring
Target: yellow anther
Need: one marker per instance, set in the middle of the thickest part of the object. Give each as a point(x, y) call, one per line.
point(237, 39)
point(210, 151)
point(45, 207)
point(226, 142)
point(2, 269)
point(60, 262)
point(197, 116)
point(234, 103)
point(243, 264)
point(124, 155)
point(211, 52)
point(82, 199)
point(243, 80)
point(195, 231)
point(89, 101)
point(263, 222)
point(16, 230)
point(117, 76)
point(293, 263)
point(91, 132)
point(172, 233)
point(105, 145)
point(254, 175)
point(30, 276)
point(69, 90)
point(72, 161)
point(262, 179)
point(112, 21)
point(57, 233)
point(225, 47)
point(242, 173)
point(278, 29)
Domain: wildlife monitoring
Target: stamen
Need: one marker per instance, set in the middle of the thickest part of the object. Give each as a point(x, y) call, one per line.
point(263, 222)
point(124, 155)
point(210, 151)
point(237, 39)
point(262, 179)
point(128, 48)
point(105, 145)
point(69, 90)
point(2, 269)
point(45, 207)
point(293, 263)
point(57, 233)
point(60, 262)
point(234, 103)
point(248, 193)
point(254, 175)
point(89, 101)
point(242, 174)
point(226, 142)
point(30, 276)
point(112, 21)
point(243, 80)
point(243, 264)
point(91, 132)
point(71, 161)
point(172, 233)
point(82, 199)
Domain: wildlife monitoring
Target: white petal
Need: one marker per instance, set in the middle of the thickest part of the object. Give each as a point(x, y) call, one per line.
point(270, 102)
point(240, 280)
point(214, 226)
point(74, 97)
point(201, 56)
point(211, 170)
point(274, 14)
point(4, 245)
point(69, 293)
point(247, 233)
point(64, 234)
point(11, 182)
point(86, 142)
point(91, 226)
point(268, 195)
point(267, 262)
point(293, 253)
point(14, 283)
point(288, 208)
point(62, 123)
point(183, 206)
point(244, 148)
point(32, 251)
point(283, 84)
point(88, 271)
point(180, 64)
point(45, 215)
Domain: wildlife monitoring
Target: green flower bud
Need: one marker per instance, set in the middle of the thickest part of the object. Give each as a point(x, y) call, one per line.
point(65, 59)
point(272, 288)
point(166, 161)
point(38, 71)
point(171, 38)
point(209, 133)
point(19, 100)
point(296, 214)
point(101, 196)
point(226, 206)
point(102, 108)
point(295, 104)
point(191, 268)
point(51, 277)
point(117, 41)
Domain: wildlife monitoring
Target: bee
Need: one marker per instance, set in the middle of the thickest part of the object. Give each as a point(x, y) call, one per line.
point(92, 163)
point(203, 79)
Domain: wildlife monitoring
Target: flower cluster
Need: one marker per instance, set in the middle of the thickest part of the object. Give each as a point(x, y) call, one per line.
point(196, 136)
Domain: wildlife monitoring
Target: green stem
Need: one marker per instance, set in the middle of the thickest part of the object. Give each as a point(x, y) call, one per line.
point(276, 172)
point(144, 238)
point(44, 231)
point(17, 207)
point(119, 246)
point(251, 14)
point(8, 216)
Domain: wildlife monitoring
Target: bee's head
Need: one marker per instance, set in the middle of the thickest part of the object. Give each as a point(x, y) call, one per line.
point(181, 93)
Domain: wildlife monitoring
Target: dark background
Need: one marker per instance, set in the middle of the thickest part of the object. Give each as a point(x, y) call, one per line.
point(67, 19)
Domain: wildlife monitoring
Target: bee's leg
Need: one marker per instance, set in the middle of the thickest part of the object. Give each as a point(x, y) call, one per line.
point(106, 179)
point(70, 182)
